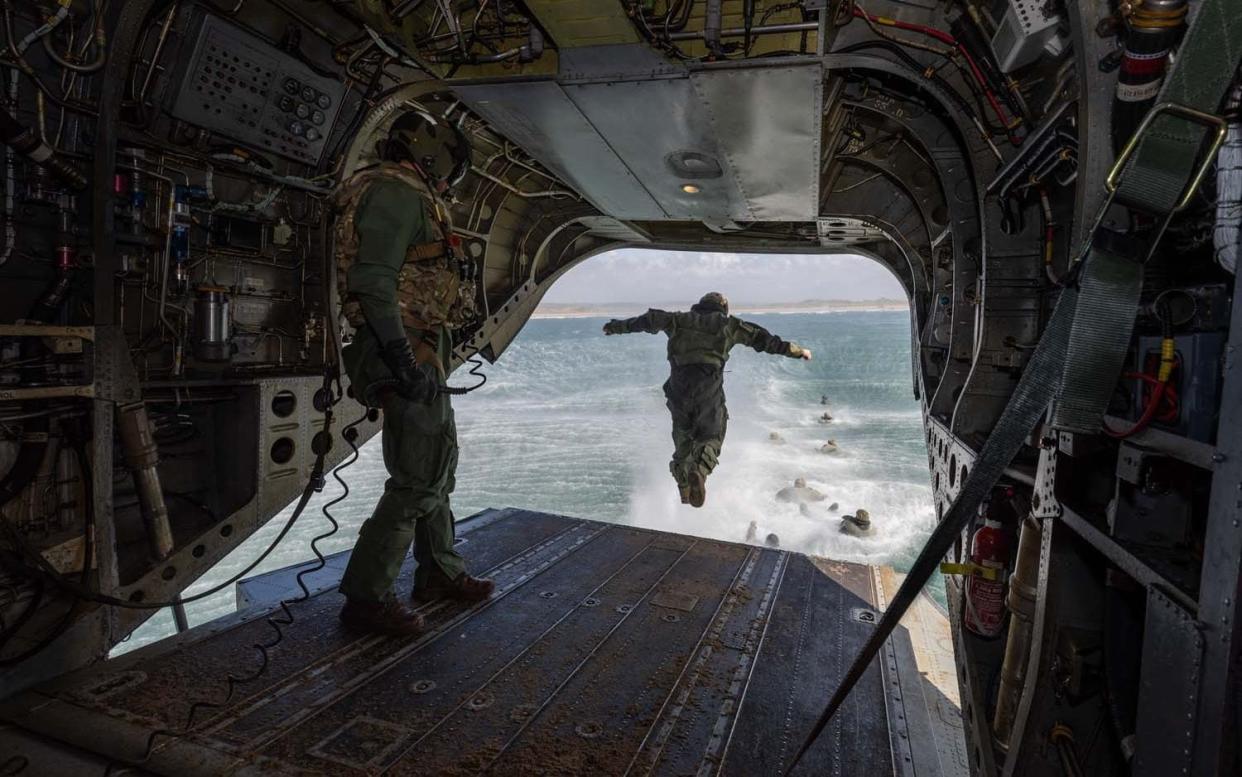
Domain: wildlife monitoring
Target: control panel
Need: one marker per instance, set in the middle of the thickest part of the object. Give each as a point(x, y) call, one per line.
point(242, 87)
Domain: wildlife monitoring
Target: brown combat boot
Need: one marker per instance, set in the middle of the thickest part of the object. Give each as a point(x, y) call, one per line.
point(387, 616)
point(698, 489)
point(463, 588)
point(685, 494)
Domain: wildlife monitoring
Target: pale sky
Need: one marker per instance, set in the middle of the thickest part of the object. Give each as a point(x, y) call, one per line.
point(631, 275)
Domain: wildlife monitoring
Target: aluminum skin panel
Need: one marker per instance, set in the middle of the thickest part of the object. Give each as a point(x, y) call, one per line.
point(539, 117)
point(644, 142)
point(647, 123)
point(1169, 689)
point(768, 123)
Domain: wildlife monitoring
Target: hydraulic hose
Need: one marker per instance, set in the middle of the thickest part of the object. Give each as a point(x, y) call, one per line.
point(972, 67)
point(25, 141)
point(1160, 386)
point(981, 121)
point(100, 45)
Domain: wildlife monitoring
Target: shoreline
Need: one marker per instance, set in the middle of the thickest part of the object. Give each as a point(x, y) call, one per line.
point(626, 311)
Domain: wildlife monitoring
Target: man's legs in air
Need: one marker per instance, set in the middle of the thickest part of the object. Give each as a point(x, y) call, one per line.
point(696, 399)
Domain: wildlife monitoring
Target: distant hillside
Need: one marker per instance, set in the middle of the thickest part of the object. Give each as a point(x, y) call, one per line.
point(616, 309)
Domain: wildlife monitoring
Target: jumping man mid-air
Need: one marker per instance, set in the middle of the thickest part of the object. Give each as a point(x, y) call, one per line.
point(698, 347)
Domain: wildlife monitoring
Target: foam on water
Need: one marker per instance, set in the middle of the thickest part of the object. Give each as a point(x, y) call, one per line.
point(574, 423)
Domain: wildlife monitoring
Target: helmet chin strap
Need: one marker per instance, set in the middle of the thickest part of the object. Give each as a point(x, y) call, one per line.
point(436, 184)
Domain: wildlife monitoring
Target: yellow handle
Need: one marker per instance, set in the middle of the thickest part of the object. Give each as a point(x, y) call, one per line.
point(1168, 353)
point(987, 573)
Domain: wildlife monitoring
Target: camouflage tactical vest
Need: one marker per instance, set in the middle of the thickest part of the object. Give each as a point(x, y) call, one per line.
point(431, 291)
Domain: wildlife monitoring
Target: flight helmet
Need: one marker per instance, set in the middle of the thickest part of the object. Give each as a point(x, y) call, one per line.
point(437, 147)
point(713, 301)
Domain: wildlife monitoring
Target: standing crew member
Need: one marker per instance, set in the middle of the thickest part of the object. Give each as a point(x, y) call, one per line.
point(403, 288)
point(698, 347)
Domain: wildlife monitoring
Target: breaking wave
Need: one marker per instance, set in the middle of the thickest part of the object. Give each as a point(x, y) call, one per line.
point(574, 423)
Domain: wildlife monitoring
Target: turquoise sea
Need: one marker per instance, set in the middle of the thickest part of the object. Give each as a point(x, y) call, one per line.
point(574, 423)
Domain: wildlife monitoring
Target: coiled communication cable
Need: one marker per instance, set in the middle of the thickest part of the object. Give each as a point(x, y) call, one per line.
point(278, 621)
point(476, 366)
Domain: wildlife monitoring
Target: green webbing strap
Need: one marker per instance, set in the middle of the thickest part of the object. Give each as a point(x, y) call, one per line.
point(1098, 309)
point(1099, 340)
point(1026, 406)
point(1155, 173)
point(1164, 160)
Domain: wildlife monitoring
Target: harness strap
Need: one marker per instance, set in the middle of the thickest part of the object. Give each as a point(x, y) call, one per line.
point(1101, 305)
point(1156, 174)
point(425, 353)
point(426, 251)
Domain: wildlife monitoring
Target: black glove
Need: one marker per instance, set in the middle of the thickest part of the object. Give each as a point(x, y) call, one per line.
point(415, 382)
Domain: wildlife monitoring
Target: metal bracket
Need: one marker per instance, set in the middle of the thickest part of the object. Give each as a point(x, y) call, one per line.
point(1190, 114)
point(840, 230)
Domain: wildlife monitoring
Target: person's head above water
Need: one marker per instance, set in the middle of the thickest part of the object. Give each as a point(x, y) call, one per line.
point(800, 483)
point(712, 302)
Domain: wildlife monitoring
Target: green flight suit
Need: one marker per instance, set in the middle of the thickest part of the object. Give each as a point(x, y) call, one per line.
point(420, 440)
point(698, 347)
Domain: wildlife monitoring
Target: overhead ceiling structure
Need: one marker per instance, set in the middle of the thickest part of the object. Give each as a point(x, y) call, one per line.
point(642, 139)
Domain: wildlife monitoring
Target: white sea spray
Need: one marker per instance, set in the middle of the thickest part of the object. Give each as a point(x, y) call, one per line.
point(574, 423)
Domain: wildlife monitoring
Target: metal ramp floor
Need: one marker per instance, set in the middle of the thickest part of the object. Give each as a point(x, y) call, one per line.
point(607, 649)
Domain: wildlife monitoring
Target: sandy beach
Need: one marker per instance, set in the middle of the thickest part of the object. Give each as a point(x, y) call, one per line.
point(626, 309)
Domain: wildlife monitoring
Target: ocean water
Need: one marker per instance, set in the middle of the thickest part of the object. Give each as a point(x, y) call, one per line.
point(573, 422)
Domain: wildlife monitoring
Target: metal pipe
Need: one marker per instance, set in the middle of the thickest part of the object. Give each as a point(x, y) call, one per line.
point(406, 8)
point(739, 32)
point(100, 38)
point(712, 24)
point(163, 277)
point(142, 455)
point(159, 49)
point(525, 195)
point(501, 57)
point(454, 24)
point(179, 616)
point(1023, 592)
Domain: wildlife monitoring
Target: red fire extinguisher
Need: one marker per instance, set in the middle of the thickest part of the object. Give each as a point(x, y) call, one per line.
point(985, 589)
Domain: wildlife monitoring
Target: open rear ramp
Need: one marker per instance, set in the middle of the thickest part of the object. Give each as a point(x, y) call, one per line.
point(608, 649)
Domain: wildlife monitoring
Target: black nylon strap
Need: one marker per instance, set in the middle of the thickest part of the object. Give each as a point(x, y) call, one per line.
point(1028, 403)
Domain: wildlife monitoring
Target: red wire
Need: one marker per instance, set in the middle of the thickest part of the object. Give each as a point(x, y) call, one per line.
point(1149, 413)
point(948, 39)
point(1160, 391)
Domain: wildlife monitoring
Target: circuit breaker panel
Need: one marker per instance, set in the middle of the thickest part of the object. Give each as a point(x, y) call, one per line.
point(240, 86)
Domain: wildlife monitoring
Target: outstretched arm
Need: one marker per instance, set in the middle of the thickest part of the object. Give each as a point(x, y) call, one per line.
point(650, 322)
point(763, 341)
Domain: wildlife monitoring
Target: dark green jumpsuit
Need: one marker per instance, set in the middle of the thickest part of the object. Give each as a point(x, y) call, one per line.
point(698, 347)
point(420, 441)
